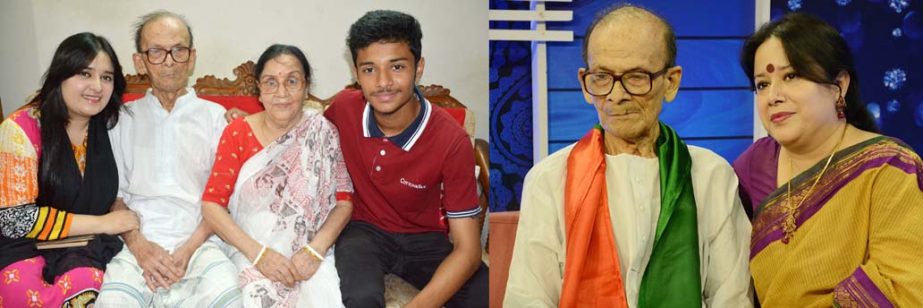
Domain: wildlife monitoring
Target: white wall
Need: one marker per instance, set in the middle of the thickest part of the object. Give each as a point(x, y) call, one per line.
point(228, 33)
point(19, 66)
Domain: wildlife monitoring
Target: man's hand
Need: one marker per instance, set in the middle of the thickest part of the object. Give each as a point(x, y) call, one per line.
point(277, 268)
point(159, 269)
point(234, 113)
point(181, 257)
point(183, 253)
point(306, 265)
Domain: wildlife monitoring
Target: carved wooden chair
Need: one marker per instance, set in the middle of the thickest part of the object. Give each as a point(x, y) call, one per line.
point(239, 93)
point(440, 96)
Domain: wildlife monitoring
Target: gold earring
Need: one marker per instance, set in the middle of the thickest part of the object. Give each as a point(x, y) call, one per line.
point(841, 108)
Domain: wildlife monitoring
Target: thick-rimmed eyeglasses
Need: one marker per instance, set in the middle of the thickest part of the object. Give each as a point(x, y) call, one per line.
point(636, 82)
point(293, 84)
point(159, 55)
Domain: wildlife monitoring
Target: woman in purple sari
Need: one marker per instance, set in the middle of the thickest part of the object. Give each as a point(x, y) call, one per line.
point(837, 207)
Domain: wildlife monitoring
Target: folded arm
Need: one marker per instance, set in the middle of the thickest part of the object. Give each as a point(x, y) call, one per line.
point(45, 223)
point(41, 223)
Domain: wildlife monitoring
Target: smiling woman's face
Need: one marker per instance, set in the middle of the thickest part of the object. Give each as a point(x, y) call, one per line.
point(87, 92)
point(792, 109)
point(283, 87)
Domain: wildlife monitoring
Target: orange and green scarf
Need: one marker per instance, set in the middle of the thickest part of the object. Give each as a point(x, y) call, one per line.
point(592, 276)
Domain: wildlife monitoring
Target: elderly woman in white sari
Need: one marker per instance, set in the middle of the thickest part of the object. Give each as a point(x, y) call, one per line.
point(279, 192)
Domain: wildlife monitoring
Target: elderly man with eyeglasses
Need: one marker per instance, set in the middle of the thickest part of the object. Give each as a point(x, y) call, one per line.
point(630, 216)
point(164, 147)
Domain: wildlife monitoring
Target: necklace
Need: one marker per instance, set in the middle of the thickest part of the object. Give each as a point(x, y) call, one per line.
point(788, 225)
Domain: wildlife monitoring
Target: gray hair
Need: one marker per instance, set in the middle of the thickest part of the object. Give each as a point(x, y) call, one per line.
point(156, 15)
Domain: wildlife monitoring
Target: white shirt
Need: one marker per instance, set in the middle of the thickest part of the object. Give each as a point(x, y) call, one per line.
point(164, 160)
point(633, 182)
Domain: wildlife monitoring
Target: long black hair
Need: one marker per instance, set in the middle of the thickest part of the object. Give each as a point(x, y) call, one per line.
point(817, 52)
point(73, 56)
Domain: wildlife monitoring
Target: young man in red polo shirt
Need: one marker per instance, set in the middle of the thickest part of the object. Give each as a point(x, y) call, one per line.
point(411, 164)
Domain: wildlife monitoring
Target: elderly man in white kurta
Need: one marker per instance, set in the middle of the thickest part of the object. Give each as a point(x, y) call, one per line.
point(164, 147)
point(630, 216)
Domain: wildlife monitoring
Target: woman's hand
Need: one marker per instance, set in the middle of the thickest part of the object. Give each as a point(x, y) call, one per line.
point(306, 264)
point(117, 222)
point(277, 268)
point(234, 113)
point(273, 265)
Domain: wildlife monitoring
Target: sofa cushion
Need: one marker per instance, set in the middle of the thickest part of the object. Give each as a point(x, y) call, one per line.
point(249, 104)
point(503, 227)
point(457, 113)
point(128, 97)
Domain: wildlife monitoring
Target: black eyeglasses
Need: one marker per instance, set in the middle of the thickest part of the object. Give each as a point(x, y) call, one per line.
point(159, 55)
point(636, 82)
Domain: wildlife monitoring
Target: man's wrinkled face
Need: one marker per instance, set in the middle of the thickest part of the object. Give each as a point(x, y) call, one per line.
point(620, 48)
point(165, 34)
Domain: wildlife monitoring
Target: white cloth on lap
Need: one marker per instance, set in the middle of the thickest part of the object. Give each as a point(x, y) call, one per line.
point(210, 281)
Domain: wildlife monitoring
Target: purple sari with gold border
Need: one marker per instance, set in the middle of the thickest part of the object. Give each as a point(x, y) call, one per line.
point(857, 241)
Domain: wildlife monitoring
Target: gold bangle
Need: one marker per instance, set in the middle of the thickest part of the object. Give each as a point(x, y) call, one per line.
point(259, 256)
point(313, 252)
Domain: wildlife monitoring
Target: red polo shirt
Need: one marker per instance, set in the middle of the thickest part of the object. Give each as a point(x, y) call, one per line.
point(407, 183)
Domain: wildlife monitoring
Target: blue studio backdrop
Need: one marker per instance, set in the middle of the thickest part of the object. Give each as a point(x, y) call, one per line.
point(886, 39)
point(714, 108)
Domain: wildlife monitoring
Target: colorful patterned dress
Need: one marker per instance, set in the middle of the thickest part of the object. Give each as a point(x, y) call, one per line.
point(22, 223)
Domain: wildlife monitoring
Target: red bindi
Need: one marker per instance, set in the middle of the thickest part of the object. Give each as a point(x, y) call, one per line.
point(770, 68)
